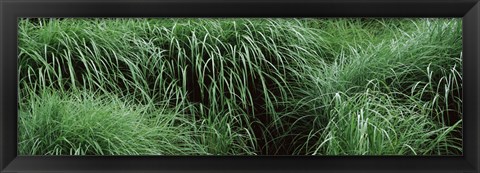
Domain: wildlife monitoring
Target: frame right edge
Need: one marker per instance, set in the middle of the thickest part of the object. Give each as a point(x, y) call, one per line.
point(2, 131)
point(471, 64)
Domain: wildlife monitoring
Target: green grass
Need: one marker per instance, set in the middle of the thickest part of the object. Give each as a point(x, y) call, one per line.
point(82, 123)
point(240, 86)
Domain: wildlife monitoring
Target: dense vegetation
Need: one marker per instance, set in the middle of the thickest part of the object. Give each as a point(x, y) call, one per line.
point(240, 86)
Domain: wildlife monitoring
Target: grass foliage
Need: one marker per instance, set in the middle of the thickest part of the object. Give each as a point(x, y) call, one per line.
point(240, 86)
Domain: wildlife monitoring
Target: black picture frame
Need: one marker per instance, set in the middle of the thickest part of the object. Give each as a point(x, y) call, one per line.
point(11, 10)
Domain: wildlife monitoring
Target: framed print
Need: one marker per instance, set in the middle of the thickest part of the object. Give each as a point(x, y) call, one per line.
point(239, 86)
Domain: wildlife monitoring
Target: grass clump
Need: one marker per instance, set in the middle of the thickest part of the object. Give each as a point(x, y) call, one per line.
point(86, 124)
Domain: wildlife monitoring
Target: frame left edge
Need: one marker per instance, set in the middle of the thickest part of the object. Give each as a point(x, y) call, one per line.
point(8, 130)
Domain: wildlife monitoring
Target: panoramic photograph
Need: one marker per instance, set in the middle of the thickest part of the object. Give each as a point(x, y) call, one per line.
point(240, 86)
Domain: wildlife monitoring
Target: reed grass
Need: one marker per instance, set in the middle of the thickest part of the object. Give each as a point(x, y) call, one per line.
point(240, 86)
